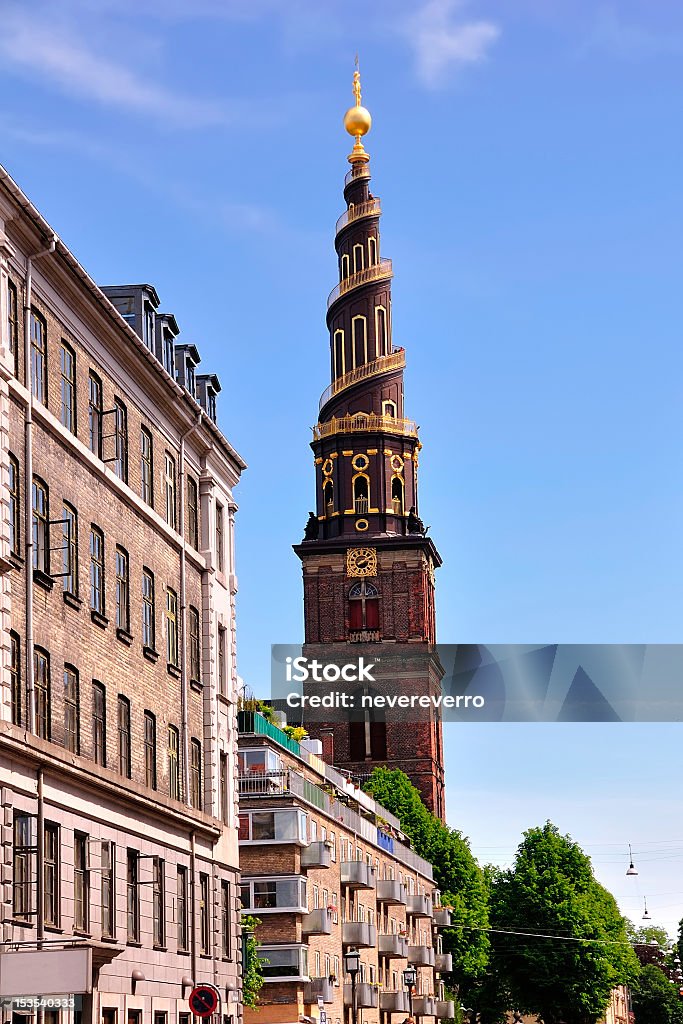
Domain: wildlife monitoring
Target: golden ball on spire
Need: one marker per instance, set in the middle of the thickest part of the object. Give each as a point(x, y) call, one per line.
point(357, 121)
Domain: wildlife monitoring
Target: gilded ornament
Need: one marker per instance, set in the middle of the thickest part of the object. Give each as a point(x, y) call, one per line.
point(361, 562)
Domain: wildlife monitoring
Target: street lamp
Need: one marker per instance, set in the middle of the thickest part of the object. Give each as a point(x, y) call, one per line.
point(631, 870)
point(410, 980)
point(352, 967)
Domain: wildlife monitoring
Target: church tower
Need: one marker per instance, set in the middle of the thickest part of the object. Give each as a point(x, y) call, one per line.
point(368, 566)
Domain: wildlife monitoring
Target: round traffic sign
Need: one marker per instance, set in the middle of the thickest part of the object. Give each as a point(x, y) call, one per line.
point(203, 1000)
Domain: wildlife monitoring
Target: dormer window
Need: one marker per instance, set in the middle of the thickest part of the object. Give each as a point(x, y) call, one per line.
point(148, 337)
point(190, 378)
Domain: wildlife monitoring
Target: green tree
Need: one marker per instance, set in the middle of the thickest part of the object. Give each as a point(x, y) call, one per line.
point(252, 963)
point(551, 891)
point(456, 871)
point(655, 999)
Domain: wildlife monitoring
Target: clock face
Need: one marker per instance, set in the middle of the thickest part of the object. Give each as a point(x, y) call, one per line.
point(361, 562)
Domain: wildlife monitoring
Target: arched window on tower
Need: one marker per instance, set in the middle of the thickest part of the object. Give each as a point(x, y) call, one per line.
point(389, 409)
point(358, 258)
point(345, 266)
point(372, 251)
point(328, 497)
point(361, 494)
point(360, 341)
point(339, 358)
point(397, 503)
point(381, 330)
point(364, 611)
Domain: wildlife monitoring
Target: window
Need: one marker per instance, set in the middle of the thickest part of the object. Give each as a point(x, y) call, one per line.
point(121, 440)
point(158, 899)
point(13, 325)
point(338, 353)
point(95, 414)
point(99, 723)
point(71, 710)
point(122, 591)
point(148, 638)
point(219, 537)
point(359, 340)
point(14, 506)
point(397, 496)
point(51, 874)
point(361, 494)
point(146, 466)
point(67, 371)
point(171, 627)
point(108, 888)
point(192, 512)
point(193, 630)
point(183, 936)
point(226, 930)
point(38, 357)
point(41, 519)
point(81, 883)
point(41, 692)
point(169, 487)
point(124, 736)
point(204, 915)
point(223, 771)
point(22, 866)
point(97, 570)
point(389, 409)
point(69, 550)
point(345, 266)
point(278, 826)
point(15, 678)
point(381, 331)
point(284, 961)
point(173, 763)
point(222, 687)
point(358, 258)
point(280, 893)
point(364, 606)
point(132, 897)
point(372, 251)
point(196, 774)
point(150, 750)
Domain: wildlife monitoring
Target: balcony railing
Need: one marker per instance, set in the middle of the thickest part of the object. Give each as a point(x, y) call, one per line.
point(443, 962)
point(391, 891)
point(419, 905)
point(393, 947)
point(356, 874)
point(319, 988)
point(424, 1006)
point(376, 272)
point(362, 421)
point(395, 361)
point(442, 917)
point(366, 996)
point(361, 506)
point(249, 722)
point(357, 171)
point(445, 1009)
point(421, 956)
point(394, 1002)
point(317, 922)
point(359, 934)
point(317, 855)
point(285, 783)
point(364, 636)
point(372, 208)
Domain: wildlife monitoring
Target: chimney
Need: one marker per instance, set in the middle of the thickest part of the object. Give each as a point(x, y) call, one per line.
point(327, 737)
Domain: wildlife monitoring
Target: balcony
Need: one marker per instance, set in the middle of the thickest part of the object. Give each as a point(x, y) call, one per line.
point(360, 934)
point(358, 170)
point(424, 1006)
point(319, 988)
point(419, 906)
point(381, 271)
point(393, 947)
point(253, 723)
point(443, 962)
point(356, 874)
point(395, 361)
point(392, 892)
point(366, 996)
point(317, 922)
point(442, 917)
point(421, 956)
point(363, 421)
point(372, 208)
point(445, 1008)
point(364, 636)
point(394, 1002)
point(316, 855)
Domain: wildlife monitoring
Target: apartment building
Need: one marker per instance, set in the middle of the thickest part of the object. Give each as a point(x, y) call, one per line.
point(119, 870)
point(327, 870)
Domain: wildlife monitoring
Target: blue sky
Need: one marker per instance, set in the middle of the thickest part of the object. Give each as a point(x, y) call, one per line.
point(528, 157)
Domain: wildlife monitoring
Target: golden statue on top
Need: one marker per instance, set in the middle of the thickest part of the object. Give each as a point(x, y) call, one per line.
point(357, 121)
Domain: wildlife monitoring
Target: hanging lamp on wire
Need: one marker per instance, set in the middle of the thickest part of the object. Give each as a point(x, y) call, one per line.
point(646, 916)
point(631, 869)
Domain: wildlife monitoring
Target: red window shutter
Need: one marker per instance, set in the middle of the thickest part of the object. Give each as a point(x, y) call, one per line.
point(372, 613)
point(355, 615)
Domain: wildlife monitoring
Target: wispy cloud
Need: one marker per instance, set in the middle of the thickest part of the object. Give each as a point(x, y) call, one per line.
point(36, 45)
point(442, 39)
point(628, 41)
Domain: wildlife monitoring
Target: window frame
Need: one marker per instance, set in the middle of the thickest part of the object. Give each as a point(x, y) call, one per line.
point(194, 644)
point(13, 323)
point(148, 606)
point(123, 728)
point(172, 644)
point(182, 893)
point(173, 759)
point(220, 538)
point(51, 875)
point(196, 796)
point(72, 710)
point(40, 526)
point(97, 572)
point(23, 864)
point(16, 694)
point(82, 873)
point(122, 616)
point(67, 384)
point(14, 505)
point(120, 460)
point(42, 696)
point(95, 413)
point(108, 887)
point(69, 549)
point(39, 368)
point(193, 512)
point(204, 914)
point(158, 902)
point(132, 896)
point(147, 466)
point(99, 723)
point(170, 490)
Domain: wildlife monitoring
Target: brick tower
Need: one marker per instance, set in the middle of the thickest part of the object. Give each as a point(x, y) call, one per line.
point(368, 567)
